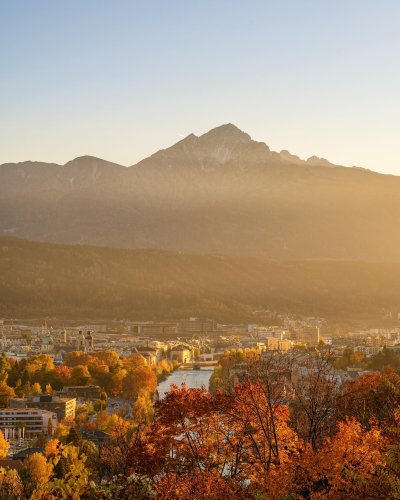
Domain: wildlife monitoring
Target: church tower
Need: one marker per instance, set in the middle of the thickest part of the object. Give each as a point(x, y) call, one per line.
point(80, 341)
point(88, 342)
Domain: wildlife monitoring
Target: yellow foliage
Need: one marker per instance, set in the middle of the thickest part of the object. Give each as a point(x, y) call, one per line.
point(52, 448)
point(38, 468)
point(135, 361)
point(11, 486)
point(142, 409)
point(4, 446)
point(36, 388)
point(63, 428)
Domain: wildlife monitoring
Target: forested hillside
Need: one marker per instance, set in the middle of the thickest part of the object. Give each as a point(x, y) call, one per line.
point(40, 279)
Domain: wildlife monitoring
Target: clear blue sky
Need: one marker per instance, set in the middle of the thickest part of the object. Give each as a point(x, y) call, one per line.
point(121, 79)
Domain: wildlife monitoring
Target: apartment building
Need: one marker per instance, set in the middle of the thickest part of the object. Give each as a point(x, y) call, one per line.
point(26, 422)
point(81, 392)
point(308, 335)
point(62, 407)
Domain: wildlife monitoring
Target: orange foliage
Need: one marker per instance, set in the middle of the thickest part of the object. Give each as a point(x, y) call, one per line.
point(345, 465)
point(198, 486)
point(4, 446)
point(242, 437)
point(139, 380)
point(52, 448)
point(371, 396)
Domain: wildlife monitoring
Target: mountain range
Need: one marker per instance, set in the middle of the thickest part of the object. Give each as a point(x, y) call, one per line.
point(219, 193)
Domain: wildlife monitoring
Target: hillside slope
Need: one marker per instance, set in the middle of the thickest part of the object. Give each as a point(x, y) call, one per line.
point(39, 279)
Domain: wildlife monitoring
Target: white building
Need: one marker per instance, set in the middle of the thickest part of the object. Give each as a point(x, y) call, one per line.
point(26, 422)
point(181, 353)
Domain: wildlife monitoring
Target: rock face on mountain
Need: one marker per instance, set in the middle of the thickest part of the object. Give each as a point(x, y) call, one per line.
point(221, 192)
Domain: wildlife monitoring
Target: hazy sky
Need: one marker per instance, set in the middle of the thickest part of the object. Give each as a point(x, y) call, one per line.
point(121, 79)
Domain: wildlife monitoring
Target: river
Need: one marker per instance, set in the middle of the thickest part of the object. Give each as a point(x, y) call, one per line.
point(193, 379)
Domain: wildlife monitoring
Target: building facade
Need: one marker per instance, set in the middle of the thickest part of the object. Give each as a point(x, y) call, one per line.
point(26, 422)
point(308, 335)
point(62, 407)
point(81, 392)
point(181, 353)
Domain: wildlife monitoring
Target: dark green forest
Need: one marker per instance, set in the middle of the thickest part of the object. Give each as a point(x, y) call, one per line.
point(65, 281)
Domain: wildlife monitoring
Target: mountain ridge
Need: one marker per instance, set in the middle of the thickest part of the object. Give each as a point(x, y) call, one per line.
point(226, 129)
point(220, 192)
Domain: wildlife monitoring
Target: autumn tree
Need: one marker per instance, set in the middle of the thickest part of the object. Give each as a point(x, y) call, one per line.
point(6, 392)
point(49, 427)
point(386, 357)
point(199, 485)
point(138, 487)
point(163, 369)
point(237, 436)
point(37, 470)
point(99, 372)
point(39, 363)
point(5, 367)
point(83, 411)
point(70, 478)
point(63, 428)
point(75, 358)
point(80, 375)
point(116, 382)
point(139, 381)
point(134, 361)
point(52, 448)
point(182, 435)
point(344, 466)
point(142, 409)
point(315, 394)
point(127, 451)
point(11, 487)
point(41, 439)
point(349, 358)
point(109, 358)
point(59, 377)
point(390, 477)
point(36, 389)
point(220, 378)
point(371, 396)
point(264, 445)
point(4, 446)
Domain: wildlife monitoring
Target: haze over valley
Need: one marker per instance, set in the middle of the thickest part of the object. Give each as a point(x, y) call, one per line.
point(220, 193)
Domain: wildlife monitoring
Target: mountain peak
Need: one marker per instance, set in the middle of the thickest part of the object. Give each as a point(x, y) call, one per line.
point(219, 146)
point(84, 159)
point(88, 161)
point(227, 127)
point(227, 132)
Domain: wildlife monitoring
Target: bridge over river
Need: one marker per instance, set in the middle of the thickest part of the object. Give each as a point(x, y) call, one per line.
point(198, 365)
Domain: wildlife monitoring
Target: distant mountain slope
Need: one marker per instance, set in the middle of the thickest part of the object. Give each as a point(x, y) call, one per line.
point(221, 192)
point(40, 279)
